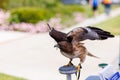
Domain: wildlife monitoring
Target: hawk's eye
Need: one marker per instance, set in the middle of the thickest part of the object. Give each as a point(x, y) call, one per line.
point(69, 38)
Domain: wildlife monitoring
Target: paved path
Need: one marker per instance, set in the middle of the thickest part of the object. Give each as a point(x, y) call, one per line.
point(33, 57)
point(10, 36)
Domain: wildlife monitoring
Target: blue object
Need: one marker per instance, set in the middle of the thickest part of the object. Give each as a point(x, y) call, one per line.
point(107, 8)
point(116, 76)
point(93, 78)
point(95, 3)
point(67, 70)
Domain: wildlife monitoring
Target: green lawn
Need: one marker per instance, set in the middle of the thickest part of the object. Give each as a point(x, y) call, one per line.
point(112, 25)
point(9, 77)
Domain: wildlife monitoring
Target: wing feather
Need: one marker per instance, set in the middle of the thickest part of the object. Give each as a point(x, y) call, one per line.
point(57, 35)
point(92, 33)
point(100, 34)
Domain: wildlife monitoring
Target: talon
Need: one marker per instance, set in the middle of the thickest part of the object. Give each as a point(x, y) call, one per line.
point(79, 67)
point(78, 70)
point(69, 64)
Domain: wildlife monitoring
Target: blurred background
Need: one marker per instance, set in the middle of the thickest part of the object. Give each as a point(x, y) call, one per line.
point(29, 15)
point(19, 18)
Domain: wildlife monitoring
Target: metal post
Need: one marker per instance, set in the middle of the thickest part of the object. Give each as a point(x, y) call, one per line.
point(68, 77)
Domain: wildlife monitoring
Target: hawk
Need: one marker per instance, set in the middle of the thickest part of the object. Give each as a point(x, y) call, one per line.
point(70, 43)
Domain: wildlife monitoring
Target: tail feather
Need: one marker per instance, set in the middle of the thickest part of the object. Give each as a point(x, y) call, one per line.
point(91, 55)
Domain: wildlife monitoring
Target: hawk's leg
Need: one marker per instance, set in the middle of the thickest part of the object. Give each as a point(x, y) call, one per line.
point(82, 58)
point(79, 66)
point(70, 63)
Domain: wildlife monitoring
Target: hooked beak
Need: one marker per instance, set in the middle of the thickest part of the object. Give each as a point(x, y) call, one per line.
point(49, 26)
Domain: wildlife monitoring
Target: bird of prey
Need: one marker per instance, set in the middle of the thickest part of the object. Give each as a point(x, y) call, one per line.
point(70, 43)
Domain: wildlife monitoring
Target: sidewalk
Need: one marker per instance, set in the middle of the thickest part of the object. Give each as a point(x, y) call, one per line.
point(35, 58)
point(9, 36)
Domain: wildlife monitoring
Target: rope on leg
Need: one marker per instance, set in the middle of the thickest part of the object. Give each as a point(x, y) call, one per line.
point(79, 70)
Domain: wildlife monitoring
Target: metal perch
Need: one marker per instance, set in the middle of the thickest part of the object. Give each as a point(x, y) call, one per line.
point(68, 70)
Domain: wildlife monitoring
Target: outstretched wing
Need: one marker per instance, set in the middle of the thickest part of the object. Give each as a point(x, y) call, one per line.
point(92, 33)
point(57, 35)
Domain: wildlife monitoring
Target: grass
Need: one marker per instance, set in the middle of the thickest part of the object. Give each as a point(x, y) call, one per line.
point(9, 77)
point(112, 25)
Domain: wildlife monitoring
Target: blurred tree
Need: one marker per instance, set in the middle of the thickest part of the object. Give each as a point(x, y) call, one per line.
point(2, 2)
point(30, 3)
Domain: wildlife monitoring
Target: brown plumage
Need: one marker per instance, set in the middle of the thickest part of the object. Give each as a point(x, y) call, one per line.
point(57, 35)
point(69, 44)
